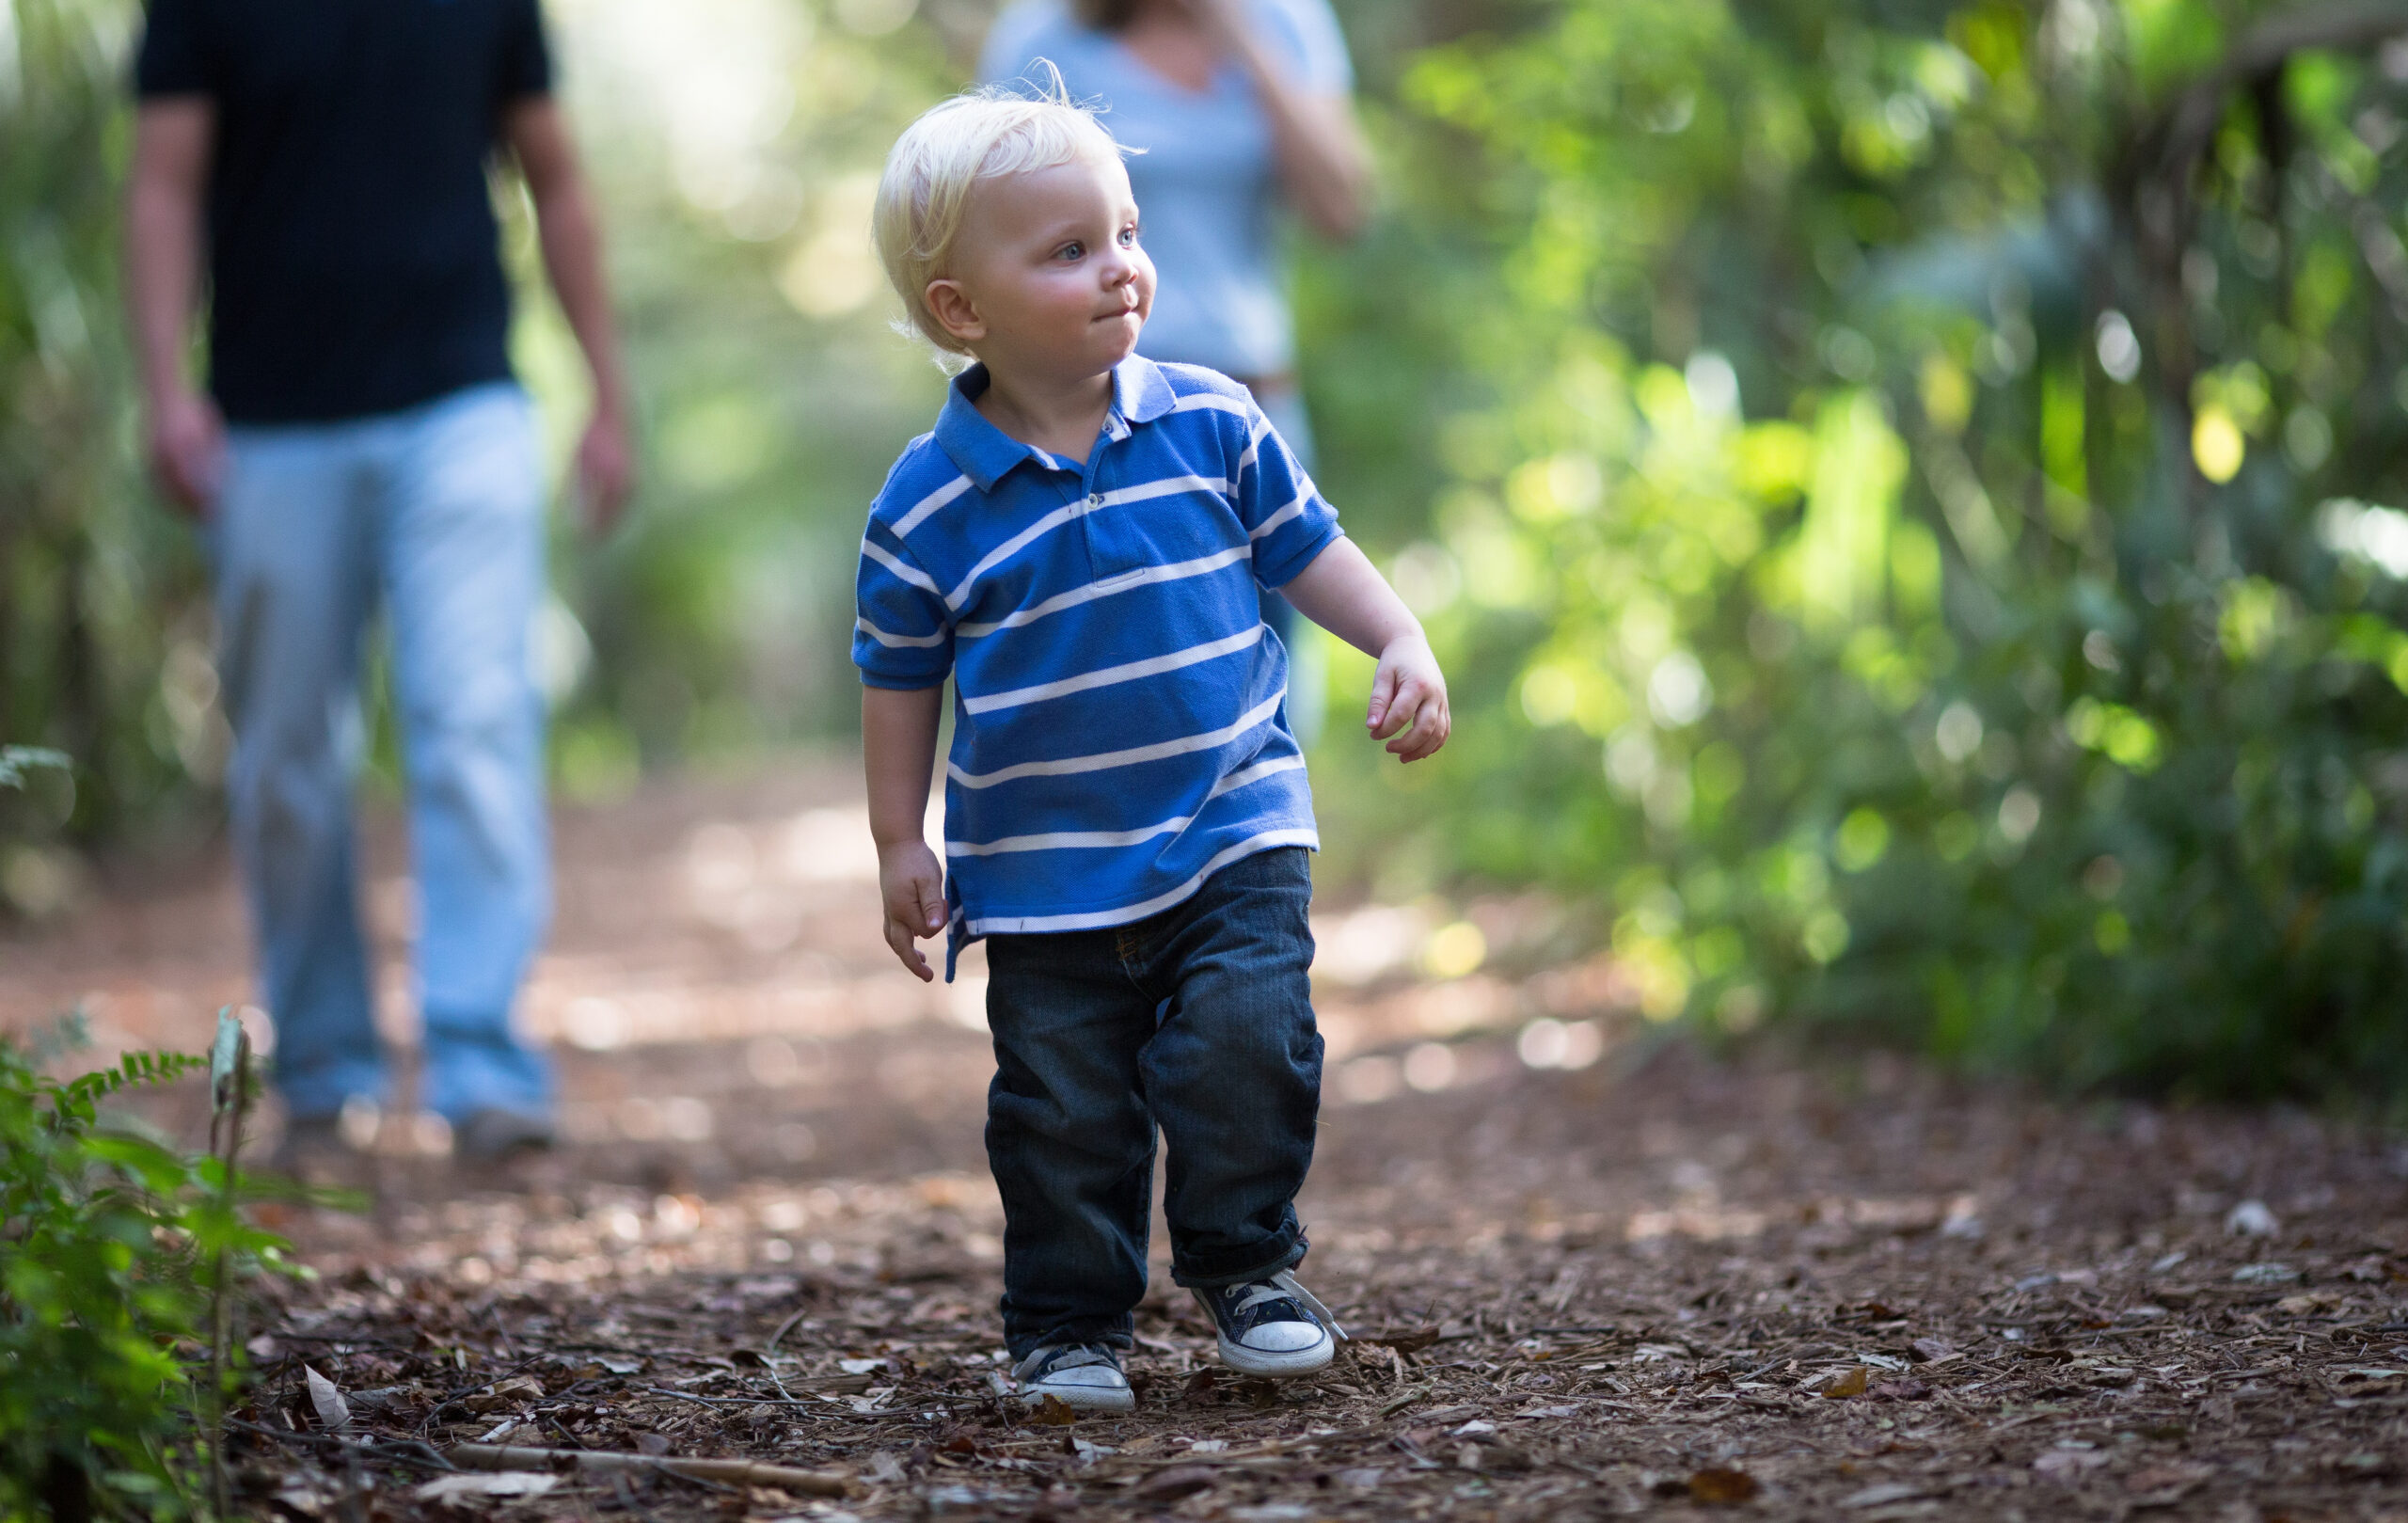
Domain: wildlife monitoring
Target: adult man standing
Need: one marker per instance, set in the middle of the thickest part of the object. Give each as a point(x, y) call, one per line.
point(362, 442)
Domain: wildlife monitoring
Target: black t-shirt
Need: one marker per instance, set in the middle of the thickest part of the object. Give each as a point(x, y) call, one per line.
point(351, 234)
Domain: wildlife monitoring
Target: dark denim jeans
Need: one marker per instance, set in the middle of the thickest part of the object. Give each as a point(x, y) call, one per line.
point(1199, 1020)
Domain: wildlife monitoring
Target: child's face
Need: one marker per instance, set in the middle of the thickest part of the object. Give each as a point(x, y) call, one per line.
point(1050, 279)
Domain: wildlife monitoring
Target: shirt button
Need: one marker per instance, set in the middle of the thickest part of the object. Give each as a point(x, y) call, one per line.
point(1095, 499)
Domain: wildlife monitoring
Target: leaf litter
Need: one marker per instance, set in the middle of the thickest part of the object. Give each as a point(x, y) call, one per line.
point(1766, 1285)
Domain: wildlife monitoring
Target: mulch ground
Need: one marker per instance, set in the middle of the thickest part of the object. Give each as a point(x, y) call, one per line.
point(1589, 1271)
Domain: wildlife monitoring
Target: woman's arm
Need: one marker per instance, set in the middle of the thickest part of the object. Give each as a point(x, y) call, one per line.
point(899, 753)
point(1323, 165)
point(1343, 592)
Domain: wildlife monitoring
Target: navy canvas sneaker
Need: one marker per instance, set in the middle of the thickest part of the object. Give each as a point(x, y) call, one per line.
point(1084, 1375)
point(1272, 1328)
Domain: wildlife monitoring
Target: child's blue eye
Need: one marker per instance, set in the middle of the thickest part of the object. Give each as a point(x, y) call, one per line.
point(1127, 237)
point(1074, 250)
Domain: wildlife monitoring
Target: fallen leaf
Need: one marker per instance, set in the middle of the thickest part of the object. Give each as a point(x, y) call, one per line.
point(1404, 1341)
point(1720, 1487)
point(2251, 1220)
point(333, 1411)
point(1200, 1386)
point(1882, 1495)
point(504, 1394)
point(619, 1367)
point(651, 1444)
point(1848, 1382)
point(2068, 1466)
point(1900, 1390)
point(2162, 1485)
point(1176, 1482)
point(500, 1483)
point(1928, 1349)
point(1054, 1412)
point(1565, 1411)
point(2265, 1273)
point(1361, 1480)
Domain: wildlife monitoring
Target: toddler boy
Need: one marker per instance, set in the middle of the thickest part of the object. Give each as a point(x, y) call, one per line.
point(1127, 817)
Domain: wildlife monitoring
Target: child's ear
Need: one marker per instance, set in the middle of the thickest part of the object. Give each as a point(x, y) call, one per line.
point(954, 311)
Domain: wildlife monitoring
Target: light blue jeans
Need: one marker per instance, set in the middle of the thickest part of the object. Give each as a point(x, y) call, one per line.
point(437, 514)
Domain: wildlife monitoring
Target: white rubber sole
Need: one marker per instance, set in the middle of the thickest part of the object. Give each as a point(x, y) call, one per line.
point(1264, 1365)
point(1082, 1398)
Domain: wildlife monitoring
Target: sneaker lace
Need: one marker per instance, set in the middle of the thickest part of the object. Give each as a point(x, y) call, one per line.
point(1047, 1360)
point(1284, 1286)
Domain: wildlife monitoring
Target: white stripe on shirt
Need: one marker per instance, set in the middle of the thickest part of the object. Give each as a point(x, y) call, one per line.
point(1056, 840)
point(1175, 571)
point(929, 503)
point(1293, 509)
point(895, 642)
point(1028, 925)
point(1166, 486)
point(1215, 400)
point(1105, 760)
point(912, 574)
point(1255, 774)
point(1105, 676)
point(1254, 445)
point(1060, 840)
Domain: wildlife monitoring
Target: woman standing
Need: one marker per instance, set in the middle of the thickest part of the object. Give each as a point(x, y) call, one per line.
point(1242, 109)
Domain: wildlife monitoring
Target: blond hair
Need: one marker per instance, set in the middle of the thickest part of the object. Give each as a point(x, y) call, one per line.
point(980, 134)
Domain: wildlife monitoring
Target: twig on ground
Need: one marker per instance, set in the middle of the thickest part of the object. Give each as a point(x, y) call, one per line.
point(736, 1473)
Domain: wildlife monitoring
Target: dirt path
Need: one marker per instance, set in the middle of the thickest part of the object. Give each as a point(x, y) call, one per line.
point(1621, 1279)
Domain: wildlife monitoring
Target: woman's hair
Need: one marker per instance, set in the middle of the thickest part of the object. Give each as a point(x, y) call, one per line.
point(1105, 15)
point(979, 135)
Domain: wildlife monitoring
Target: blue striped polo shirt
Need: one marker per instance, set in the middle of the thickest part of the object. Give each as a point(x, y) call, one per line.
point(1117, 732)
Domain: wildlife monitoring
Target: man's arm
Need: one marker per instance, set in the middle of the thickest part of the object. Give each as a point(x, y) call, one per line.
point(899, 753)
point(174, 139)
point(572, 242)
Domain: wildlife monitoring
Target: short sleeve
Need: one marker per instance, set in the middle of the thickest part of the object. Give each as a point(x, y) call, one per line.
point(1286, 517)
point(1316, 46)
point(175, 58)
point(902, 632)
point(1015, 41)
point(526, 53)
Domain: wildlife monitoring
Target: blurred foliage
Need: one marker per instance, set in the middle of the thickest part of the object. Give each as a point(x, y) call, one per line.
point(1910, 541)
point(108, 1244)
point(102, 630)
point(1908, 493)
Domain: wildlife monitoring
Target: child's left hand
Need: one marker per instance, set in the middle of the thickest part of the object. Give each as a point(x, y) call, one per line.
point(1409, 700)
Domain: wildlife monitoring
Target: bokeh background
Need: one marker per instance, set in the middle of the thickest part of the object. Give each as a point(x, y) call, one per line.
point(1907, 493)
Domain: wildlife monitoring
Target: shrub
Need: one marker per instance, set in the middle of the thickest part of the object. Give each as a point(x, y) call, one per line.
point(109, 1246)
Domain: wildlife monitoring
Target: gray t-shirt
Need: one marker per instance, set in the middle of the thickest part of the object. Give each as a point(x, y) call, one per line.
point(1207, 186)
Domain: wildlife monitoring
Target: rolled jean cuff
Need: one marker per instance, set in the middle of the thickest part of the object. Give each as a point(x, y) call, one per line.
point(1113, 1332)
point(1285, 1251)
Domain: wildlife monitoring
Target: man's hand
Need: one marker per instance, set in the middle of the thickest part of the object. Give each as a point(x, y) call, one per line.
point(913, 886)
point(187, 448)
point(1409, 700)
point(606, 472)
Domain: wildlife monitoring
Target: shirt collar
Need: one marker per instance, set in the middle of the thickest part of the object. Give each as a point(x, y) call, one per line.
point(986, 455)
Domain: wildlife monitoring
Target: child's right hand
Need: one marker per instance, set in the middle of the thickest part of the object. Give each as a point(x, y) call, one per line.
point(911, 881)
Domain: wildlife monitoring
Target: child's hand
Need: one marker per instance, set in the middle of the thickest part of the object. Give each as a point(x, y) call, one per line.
point(913, 886)
point(1409, 700)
